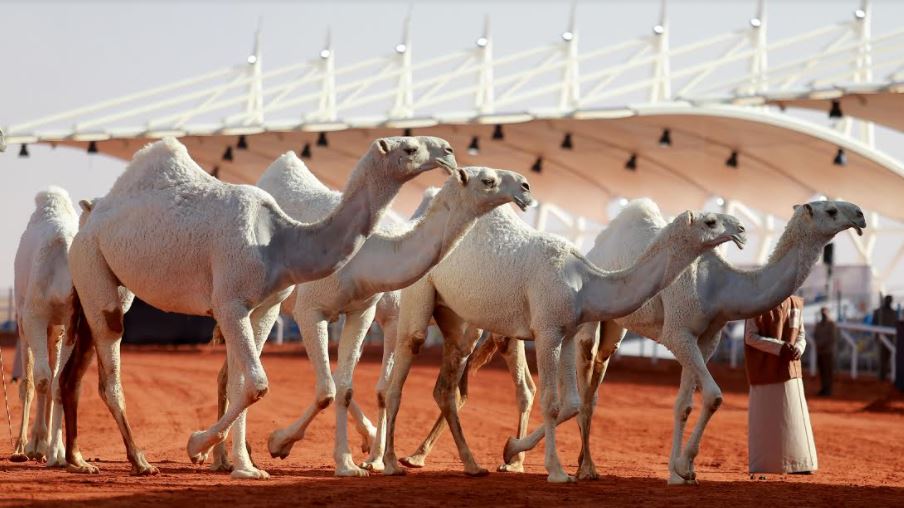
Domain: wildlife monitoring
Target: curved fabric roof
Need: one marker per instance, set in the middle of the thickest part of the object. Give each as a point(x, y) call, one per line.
point(781, 161)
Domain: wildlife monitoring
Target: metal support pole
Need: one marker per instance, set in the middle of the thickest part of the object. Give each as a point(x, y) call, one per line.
point(899, 357)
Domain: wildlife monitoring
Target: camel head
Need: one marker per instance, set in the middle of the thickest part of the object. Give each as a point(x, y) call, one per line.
point(483, 189)
point(408, 156)
point(706, 230)
point(828, 218)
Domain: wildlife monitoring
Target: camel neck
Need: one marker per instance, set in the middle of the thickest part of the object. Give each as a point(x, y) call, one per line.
point(745, 294)
point(313, 251)
point(608, 295)
point(388, 262)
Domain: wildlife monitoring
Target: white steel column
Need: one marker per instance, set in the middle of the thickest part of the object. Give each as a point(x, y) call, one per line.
point(864, 65)
point(759, 65)
point(404, 99)
point(662, 87)
point(327, 110)
point(571, 86)
point(254, 107)
point(485, 94)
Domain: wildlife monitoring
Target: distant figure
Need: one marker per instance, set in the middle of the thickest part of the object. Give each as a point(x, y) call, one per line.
point(825, 336)
point(885, 315)
point(780, 439)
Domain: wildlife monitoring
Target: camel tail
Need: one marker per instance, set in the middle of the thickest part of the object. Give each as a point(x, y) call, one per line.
point(484, 353)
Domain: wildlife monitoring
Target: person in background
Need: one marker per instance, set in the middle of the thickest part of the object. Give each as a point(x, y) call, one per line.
point(825, 335)
point(885, 315)
point(780, 438)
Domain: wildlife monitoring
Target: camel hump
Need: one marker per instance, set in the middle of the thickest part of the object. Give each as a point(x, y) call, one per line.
point(627, 235)
point(290, 173)
point(159, 165)
point(53, 203)
point(429, 194)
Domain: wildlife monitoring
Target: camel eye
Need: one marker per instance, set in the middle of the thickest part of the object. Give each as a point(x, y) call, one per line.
point(489, 182)
point(711, 223)
point(832, 212)
point(411, 150)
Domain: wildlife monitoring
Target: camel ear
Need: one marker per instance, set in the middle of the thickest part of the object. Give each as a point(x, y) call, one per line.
point(383, 146)
point(462, 176)
point(86, 205)
point(690, 217)
point(807, 206)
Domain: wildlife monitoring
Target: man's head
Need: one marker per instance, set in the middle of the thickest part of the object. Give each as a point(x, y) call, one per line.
point(886, 302)
point(824, 314)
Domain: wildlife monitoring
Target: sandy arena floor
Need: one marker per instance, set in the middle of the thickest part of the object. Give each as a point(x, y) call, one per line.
point(171, 393)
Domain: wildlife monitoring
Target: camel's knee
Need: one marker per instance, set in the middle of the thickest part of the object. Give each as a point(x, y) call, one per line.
point(113, 319)
point(256, 391)
point(713, 400)
point(344, 395)
point(42, 378)
point(381, 399)
point(416, 340)
point(683, 412)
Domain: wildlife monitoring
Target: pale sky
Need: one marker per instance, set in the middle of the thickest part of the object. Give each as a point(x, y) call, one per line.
point(62, 55)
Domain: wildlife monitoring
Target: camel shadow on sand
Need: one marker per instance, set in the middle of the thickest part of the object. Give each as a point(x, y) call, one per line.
point(183, 486)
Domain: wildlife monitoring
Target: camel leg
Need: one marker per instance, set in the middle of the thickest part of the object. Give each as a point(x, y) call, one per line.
point(390, 329)
point(39, 334)
point(314, 333)
point(568, 401)
point(712, 399)
point(57, 453)
point(457, 347)
point(247, 383)
point(593, 370)
point(416, 308)
point(26, 395)
point(550, 349)
point(70, 389)
point(356, 326)
point(110, 388)
point(419, 458)
point(516, 359)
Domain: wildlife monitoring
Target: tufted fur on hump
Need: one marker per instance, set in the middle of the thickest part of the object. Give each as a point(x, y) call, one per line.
point(297, 190)
point(160, 165)
point(52, 204)
point(627, 235)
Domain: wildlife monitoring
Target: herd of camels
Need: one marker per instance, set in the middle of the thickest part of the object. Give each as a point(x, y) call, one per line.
point(186, 242)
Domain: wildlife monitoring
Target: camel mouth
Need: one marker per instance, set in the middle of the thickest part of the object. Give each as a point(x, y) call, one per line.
point(739, 240)
point(449, 166)
point(859, 229)
point(524, 203)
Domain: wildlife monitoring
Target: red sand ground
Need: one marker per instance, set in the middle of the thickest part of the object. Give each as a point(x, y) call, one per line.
point(171, 393)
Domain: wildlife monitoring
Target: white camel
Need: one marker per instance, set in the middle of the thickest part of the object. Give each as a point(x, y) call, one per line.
point(185, 242)
point(43, 290)
point(512, 280)
point(389, 260)
point(687, 316)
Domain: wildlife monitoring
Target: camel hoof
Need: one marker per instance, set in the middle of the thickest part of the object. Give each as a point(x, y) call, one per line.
point(682, 482)
point(144, 470)
point(36, 456)
point(375, 466)
point(195, 448)
point(252, 474)
point(509, 452)
point(220, 465)
point(588, 475)
point(82, 469)
point(394, 470)
point(511, 468)
point(58, 461)
point(414, 461)
point(279, 447)
point(18, 457)
point(354, 472)
point(560, 478)
point(477, 473)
